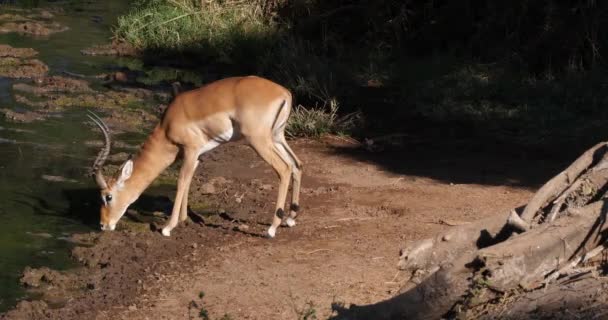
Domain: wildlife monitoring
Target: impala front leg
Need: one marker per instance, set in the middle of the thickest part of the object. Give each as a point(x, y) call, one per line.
point(183, 212)
point(183, 185)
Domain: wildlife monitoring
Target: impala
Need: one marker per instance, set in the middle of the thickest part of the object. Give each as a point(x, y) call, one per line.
point(249, 108)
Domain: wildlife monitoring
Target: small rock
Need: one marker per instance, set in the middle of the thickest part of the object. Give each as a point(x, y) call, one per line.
point(266, 187)
point(158, 214)
point(220, 180)
point(194, 245)
point(243, 227)
point(121, 76)
point(132, 307)
point(446, 237)
point(40, 234)
point(57, 178)
point(208, 188)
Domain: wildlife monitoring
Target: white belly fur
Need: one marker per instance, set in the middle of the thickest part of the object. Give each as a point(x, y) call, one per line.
point(216, 141)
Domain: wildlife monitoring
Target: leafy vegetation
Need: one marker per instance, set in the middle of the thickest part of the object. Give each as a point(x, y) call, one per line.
point(530, 72)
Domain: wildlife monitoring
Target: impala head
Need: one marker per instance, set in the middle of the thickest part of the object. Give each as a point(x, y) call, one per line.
point(114, 200)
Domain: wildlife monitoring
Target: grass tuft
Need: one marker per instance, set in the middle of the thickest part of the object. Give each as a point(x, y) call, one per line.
point(315, 122)
point(218, 29)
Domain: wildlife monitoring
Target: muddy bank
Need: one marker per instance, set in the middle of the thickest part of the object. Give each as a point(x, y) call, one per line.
point(126, 107)
point(35, 22)
point(22, 116)
point(19, 63)
point(115, 48)
point(116, 269)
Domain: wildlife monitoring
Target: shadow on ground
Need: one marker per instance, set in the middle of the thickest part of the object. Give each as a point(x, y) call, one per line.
point(466, 160)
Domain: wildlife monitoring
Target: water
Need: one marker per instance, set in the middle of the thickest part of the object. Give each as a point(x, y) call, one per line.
point(44, 194)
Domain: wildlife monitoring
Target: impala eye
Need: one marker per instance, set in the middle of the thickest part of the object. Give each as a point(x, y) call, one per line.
point(108, 198)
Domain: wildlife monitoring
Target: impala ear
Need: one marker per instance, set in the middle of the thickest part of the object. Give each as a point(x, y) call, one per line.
point(126, 171)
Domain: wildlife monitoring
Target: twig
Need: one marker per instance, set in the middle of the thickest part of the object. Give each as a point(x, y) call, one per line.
point(167, 21)
point(600, 315)
point(314, 251)
point(75, 75)
point(557, 204)
point(582, 258)
point(394, 278)
point(353, 218)
point(577, 271)
point(449, 222)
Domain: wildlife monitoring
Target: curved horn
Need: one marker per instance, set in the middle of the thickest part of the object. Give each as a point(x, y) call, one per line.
point(103, 154)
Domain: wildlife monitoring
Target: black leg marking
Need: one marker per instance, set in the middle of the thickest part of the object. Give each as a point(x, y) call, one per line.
point(280, 213)
point(294, 207)
point(276, 118)
point(293, 156)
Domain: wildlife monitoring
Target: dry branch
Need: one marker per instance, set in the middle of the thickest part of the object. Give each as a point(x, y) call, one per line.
point(521, 261)
point(517, 222)
point(582, 189)
point(554, 187)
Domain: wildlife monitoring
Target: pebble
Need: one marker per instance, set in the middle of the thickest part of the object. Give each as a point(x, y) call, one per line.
point(208, 188)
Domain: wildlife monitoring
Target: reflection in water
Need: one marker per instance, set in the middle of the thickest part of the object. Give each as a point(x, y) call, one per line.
point(38, 213)
point(31, 205)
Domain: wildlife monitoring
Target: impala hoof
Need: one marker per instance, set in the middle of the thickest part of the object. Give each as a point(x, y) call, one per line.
point(271, 233)
point(166, 232)
point(290, 222)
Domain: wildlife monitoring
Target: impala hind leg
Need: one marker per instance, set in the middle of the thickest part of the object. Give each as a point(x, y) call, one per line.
point(296, 174)
point(269, 152)
point(183, 185)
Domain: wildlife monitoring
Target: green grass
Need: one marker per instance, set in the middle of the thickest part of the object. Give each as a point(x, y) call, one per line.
point(180, 25)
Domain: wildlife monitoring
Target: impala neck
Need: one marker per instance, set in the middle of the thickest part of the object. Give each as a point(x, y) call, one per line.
point(156, 154)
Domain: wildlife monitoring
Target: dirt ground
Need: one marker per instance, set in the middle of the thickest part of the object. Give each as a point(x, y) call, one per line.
point(356, 215)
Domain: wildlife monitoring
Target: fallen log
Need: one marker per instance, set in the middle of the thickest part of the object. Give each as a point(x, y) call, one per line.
point(524, 261)
point(423, 257)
